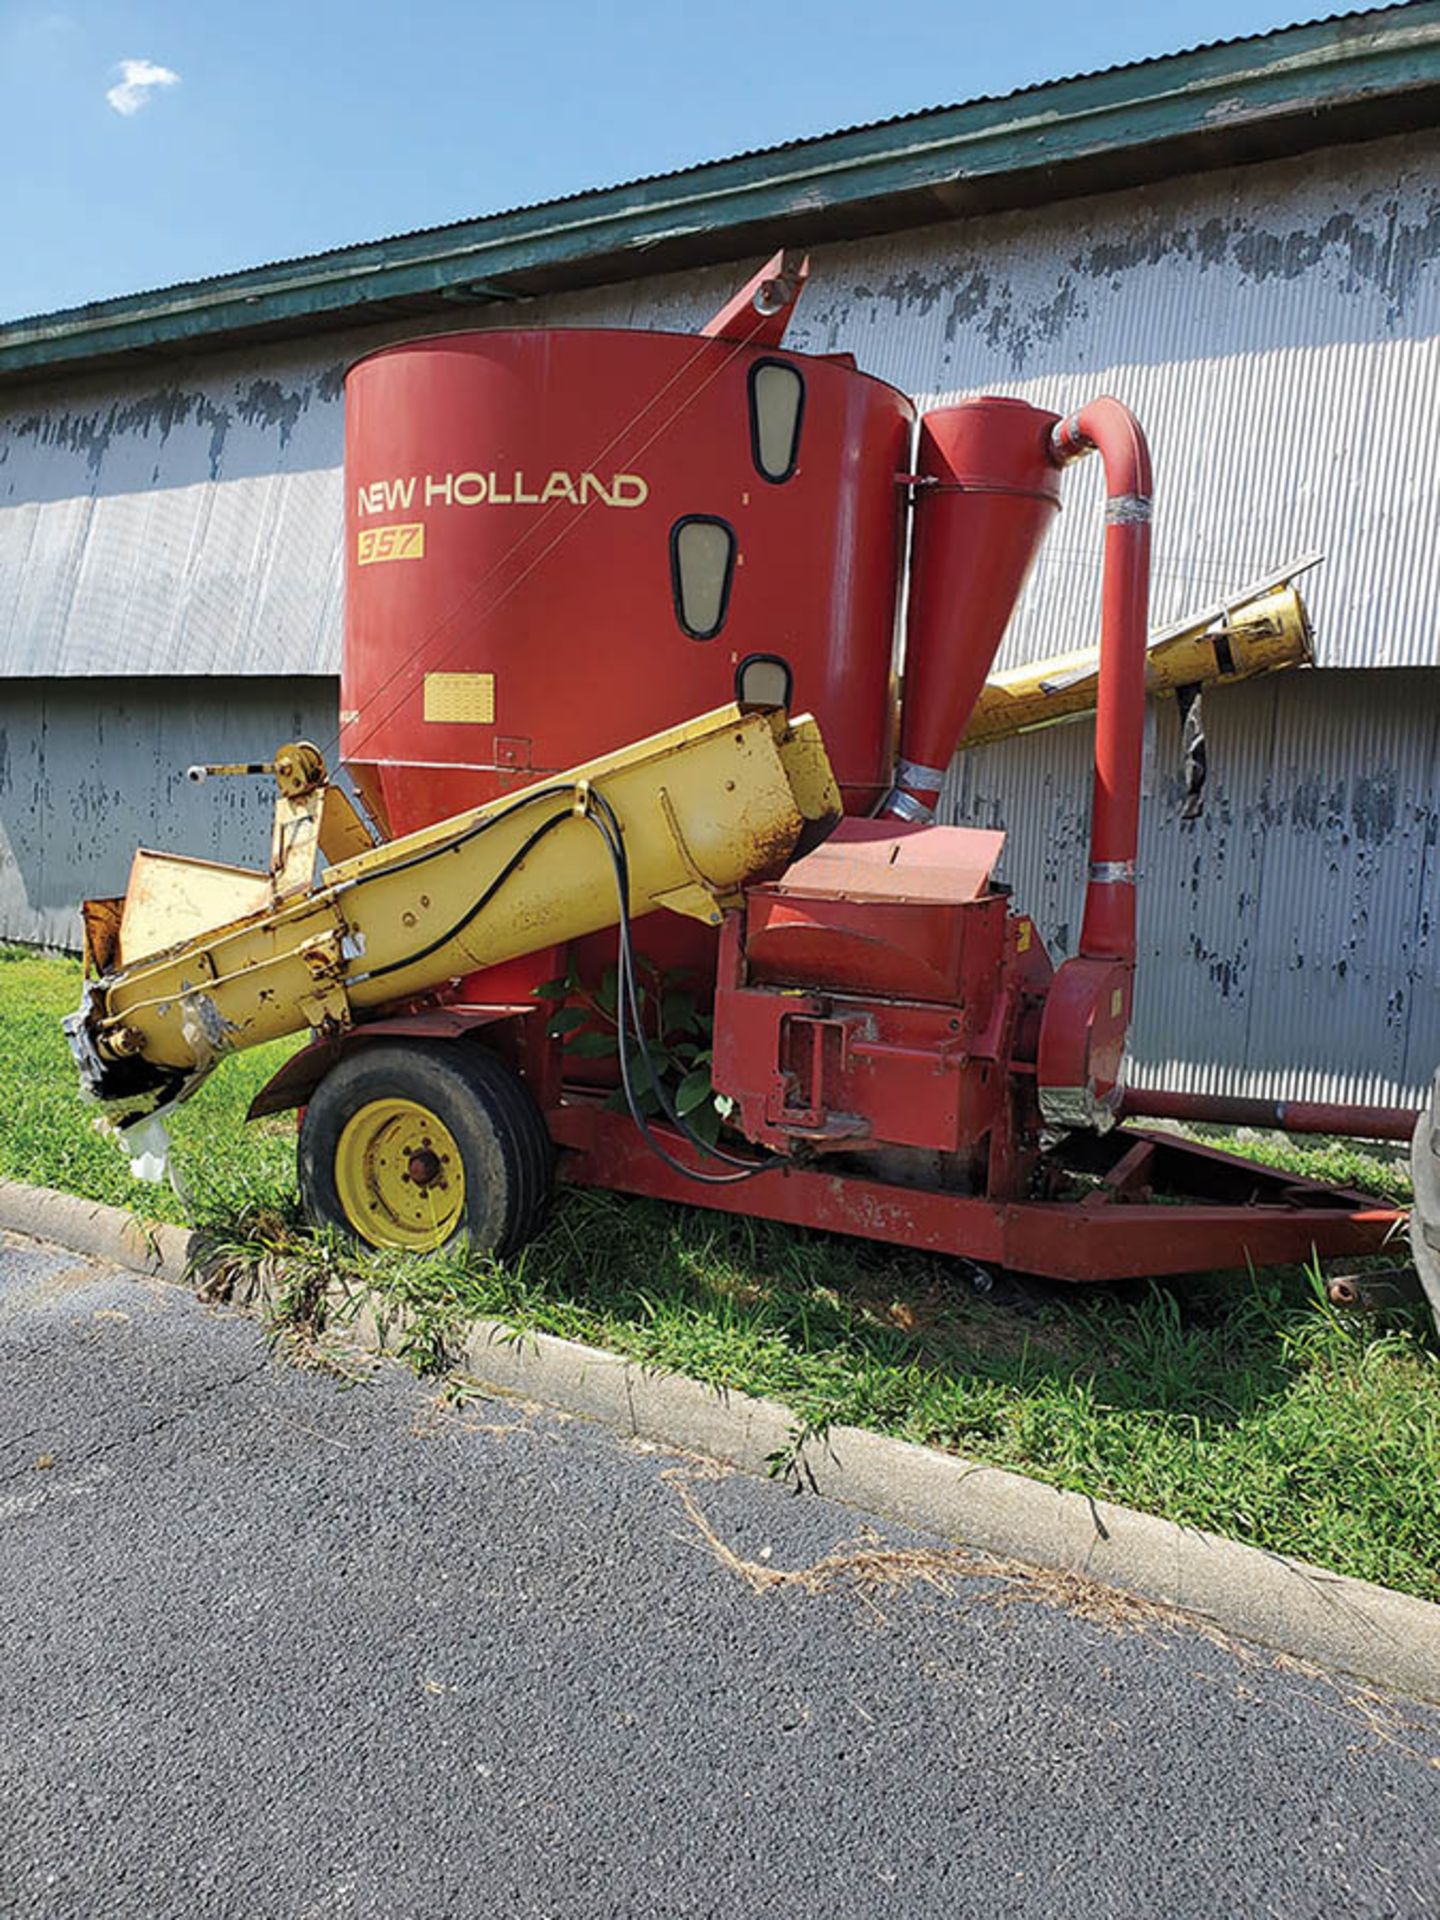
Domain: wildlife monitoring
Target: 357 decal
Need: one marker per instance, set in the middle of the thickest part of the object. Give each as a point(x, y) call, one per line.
point(391, 543)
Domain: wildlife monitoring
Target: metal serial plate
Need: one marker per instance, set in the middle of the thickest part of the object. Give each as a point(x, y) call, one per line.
point(463, 697)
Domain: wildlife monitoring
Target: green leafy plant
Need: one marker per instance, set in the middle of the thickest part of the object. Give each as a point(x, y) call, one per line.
point(677, 1041)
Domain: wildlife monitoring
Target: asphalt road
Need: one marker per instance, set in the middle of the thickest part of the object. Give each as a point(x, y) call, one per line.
point(272, 1647)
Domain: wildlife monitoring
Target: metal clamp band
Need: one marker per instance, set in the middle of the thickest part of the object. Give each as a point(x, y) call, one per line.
point(1127, 509)
point(1067, 443)
point(906, 807)
point(1113, 873)
point(910, 773)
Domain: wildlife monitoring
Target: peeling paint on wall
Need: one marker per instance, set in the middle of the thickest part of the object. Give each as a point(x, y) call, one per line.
point(89, 770)
point(154, 415)
point(1285, 945)
point(1277, 328)
point(187, 529)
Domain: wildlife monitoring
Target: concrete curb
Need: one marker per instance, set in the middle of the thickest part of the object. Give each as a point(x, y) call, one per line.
point(1329, 1619)
point(89, 1226)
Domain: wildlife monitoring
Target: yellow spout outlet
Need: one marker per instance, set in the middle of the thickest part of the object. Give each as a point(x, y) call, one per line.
point(1262, 634)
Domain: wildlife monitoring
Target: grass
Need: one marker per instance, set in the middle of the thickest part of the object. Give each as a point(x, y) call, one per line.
point(1372, 1166)
point(1246, 1406)
point(48, 1134)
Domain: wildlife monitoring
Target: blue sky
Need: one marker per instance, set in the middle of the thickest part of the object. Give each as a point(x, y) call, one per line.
point(241, 133)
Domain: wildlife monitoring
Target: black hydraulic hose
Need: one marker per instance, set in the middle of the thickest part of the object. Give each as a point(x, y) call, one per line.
point(602, 817)
point(464, 837)
point(747, 1168)
point(451, 933)
point(625, 997)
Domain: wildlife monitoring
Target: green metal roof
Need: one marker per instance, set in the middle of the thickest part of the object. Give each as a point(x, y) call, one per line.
point(1355, 76)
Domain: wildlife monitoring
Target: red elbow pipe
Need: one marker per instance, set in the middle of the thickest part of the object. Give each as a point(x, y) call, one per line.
point(1106, 427)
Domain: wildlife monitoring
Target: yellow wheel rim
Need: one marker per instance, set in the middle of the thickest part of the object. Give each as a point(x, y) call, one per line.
point(399, 1175)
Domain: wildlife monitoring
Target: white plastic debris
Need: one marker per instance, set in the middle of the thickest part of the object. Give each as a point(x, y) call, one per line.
point(148, 1144)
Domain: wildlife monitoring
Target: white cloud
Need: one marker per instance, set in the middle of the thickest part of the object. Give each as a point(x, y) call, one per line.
point(138, 79)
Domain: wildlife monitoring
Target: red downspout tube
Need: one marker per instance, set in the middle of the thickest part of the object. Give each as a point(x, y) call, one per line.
point(1284, 1116)
point(1105, 426)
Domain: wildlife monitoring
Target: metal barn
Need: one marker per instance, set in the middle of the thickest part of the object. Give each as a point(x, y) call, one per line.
point(1242, 242)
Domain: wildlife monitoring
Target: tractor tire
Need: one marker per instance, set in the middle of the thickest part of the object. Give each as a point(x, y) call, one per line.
point(417, 1145)
point(1425, 1213)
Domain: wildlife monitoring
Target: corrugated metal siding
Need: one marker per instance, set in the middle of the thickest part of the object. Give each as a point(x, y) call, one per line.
point(1287, 942)
point(91, 769)
point(191, 527)
point(1277, 327)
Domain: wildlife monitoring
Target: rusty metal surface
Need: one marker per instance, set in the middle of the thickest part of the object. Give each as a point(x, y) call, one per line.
point(173, 897)
point(1268, 633)
point(100, 920)
point(1218, 1211)
point(1287, 943)
point(1374, 1292)
point(892, 860)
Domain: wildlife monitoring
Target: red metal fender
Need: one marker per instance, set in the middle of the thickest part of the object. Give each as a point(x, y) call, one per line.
point(293, 1085)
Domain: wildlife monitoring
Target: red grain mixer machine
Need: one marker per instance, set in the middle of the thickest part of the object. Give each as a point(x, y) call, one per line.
point(561, 541)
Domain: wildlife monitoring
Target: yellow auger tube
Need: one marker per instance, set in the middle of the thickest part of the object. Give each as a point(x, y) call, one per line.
point(1259, 635)
point(702, 808)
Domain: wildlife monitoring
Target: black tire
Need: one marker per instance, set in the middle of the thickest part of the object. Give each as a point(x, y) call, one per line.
point(504, 1148)
point(1425, 1213)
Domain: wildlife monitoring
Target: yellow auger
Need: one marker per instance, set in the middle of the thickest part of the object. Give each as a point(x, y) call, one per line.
point(1262, 629)
point(177, 979)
